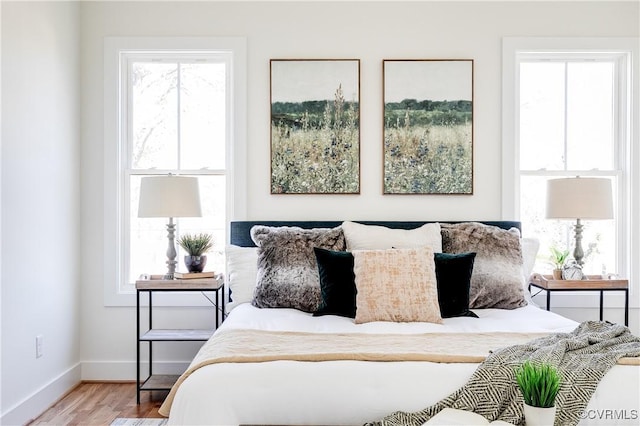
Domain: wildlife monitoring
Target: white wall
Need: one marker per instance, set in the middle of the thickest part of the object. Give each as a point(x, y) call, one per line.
point(307, 30)
point(40, 205)
point(51, 184)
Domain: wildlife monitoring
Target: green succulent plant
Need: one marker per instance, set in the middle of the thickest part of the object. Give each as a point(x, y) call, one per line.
point(539, 384)
point(196, 244)
point(559, 257)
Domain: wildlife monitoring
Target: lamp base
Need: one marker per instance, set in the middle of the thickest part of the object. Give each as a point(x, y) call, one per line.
point(171, 250)
point(578, 253)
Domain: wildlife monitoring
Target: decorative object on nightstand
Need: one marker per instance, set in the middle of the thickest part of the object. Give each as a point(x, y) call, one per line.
point(558, 257)
point(169, 196)
point(579, 198)
point(196, 245)
point(572, 271)
point(193, 275)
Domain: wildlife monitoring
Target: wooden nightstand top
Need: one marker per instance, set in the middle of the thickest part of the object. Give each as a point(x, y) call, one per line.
point(191, 284)
point(592, 282)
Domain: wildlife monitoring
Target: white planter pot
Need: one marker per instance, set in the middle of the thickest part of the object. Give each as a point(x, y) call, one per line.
point(536, 416)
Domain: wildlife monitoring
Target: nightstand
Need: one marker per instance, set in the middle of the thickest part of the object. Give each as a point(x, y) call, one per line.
point(203, 285)
point(590, 283)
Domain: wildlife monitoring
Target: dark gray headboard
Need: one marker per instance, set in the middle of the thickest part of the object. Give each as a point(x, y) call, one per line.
point(240, 230)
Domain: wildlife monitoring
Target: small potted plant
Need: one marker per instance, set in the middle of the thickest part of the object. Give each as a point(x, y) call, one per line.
point(539, 384)
point(196, 245)
point(558, 257)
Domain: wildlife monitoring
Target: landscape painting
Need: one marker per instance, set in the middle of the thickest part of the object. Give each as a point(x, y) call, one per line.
point(315, 126)
point(428, 126)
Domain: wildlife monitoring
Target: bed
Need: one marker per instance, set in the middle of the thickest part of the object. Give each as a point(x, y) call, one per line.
point(366, 384)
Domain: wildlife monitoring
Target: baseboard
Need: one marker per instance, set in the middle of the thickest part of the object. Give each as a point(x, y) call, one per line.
point(126, 370)
point(101, 371)
point(39, 401)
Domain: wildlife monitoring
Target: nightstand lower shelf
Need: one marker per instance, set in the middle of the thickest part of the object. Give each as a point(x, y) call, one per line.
point(176, 335)
point(159, 382)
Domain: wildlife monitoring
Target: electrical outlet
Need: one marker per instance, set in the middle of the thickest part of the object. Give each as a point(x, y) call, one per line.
point(39, 344)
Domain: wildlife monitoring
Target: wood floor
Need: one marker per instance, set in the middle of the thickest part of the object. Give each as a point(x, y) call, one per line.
point(100, 403)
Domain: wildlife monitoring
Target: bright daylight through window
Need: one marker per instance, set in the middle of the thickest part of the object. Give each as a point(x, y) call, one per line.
point(174, 119)
point(572, 121)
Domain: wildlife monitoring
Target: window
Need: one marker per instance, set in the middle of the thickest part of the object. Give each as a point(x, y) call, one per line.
point(569, 126)
point(567, 113)
point(176, 108)
point(174, 122)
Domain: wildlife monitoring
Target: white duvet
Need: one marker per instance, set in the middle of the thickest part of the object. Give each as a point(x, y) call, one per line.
point(355, 392)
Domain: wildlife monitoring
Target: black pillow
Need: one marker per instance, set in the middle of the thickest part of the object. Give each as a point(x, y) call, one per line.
point(453, 274)
point(337, 283)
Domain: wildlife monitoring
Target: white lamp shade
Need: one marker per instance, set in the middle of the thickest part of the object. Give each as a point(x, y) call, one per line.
point(579, 198)
point(169, 196)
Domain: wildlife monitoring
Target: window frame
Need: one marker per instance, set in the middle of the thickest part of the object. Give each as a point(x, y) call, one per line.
point(627, 159)
point(117, 292)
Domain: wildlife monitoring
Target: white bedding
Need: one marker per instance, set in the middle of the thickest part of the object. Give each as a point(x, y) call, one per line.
point(354, 392)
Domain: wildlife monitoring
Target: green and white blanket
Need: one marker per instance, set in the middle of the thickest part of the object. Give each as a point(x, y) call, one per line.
point(583, 357)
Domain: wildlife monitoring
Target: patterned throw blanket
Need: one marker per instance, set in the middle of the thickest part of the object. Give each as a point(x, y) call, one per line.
point(582, 356)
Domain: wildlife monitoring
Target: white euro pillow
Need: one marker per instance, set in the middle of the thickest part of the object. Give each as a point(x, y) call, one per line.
point(375, 237)
point(241, 273)
point(530, 248)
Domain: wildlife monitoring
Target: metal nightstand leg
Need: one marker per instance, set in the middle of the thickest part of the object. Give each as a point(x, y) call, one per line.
point(138, 347)
point(601, 304)
point(626, 307)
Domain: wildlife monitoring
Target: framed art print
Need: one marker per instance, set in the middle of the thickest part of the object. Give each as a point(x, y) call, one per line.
point(315, 126)
point(428, 126)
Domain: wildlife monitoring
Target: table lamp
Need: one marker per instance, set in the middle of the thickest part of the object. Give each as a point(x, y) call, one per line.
point(169, 196)
point(579, 198)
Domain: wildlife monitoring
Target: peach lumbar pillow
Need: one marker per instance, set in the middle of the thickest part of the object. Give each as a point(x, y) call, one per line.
point(396, 285)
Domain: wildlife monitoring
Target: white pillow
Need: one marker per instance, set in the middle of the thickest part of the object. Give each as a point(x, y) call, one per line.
point(530, 248)
point(242, 270)
point(374, 237)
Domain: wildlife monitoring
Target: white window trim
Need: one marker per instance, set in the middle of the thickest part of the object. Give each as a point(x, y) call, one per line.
point(511, 46)
point(236, 152)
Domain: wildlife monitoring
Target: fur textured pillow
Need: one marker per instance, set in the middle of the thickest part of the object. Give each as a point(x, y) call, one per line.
point(497, 280)
point(287, 268)
point(396, 285)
